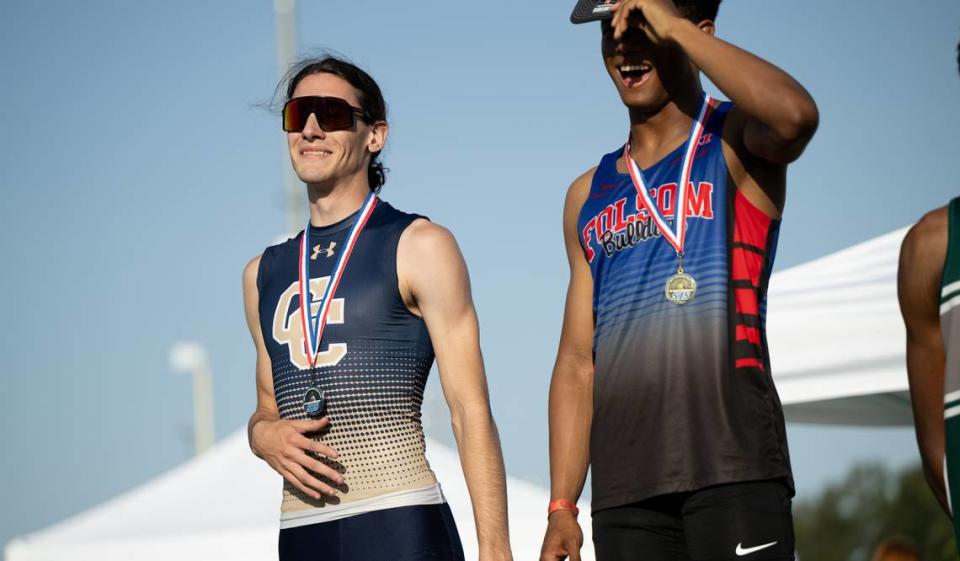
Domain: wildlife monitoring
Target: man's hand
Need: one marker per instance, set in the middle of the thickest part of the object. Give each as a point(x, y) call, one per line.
point(564, 537)
point(656, 18)
point(282, 444)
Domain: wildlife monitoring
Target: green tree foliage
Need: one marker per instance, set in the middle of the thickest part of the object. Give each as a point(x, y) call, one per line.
point(849, 519)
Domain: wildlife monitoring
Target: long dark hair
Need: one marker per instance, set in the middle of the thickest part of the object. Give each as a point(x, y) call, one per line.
point(371, 99)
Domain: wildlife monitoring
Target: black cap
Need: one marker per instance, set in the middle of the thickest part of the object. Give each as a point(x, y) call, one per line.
point(592, 10)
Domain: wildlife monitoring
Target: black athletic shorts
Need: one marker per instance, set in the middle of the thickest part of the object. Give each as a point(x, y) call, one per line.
point(749, 521)
point(409, 533)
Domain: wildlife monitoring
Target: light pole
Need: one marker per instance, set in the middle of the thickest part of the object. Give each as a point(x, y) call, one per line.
point(191, 358)
point(285, 23)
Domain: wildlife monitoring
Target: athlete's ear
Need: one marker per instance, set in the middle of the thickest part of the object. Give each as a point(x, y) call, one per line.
point(707, 26)
point(377, 138)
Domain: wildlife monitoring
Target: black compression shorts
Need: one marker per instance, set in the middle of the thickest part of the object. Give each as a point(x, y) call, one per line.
point(410, 533)
point(749, 521)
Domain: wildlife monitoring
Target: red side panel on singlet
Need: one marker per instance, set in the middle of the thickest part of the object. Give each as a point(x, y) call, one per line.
point(749, 255)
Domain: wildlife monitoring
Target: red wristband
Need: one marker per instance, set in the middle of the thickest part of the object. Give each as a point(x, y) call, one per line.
point(562, 504)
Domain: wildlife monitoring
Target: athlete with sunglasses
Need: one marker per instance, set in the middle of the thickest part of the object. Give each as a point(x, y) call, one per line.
point(662, 382)
point(347, 318)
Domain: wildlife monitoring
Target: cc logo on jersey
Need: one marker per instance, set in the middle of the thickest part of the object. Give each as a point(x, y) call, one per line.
point(288, 330)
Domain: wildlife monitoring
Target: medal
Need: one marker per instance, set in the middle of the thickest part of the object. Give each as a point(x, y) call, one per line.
point(680, 287)
point(314, 400)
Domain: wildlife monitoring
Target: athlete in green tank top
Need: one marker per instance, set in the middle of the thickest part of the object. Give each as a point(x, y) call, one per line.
point(929, 291)
point(950, 330)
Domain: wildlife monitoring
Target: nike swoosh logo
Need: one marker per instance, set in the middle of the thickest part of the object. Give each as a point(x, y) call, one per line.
point(741, 551)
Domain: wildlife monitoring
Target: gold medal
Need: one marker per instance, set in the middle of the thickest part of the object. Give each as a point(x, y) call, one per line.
point(680, 288)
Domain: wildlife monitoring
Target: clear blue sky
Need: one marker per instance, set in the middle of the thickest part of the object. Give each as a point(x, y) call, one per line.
point(138, 178)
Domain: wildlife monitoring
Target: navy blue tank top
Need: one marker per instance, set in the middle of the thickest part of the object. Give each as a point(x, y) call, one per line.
point(374, 358)
point(683, 397)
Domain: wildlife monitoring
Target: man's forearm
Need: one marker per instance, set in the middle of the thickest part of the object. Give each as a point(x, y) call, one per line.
point(571, 414)
point(931, 442)
point(925, 371)
point(757, 87)
point(933, 471)
point(483, 470)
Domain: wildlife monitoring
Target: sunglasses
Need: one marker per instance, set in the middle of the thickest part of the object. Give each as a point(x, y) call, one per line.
point(333, 113)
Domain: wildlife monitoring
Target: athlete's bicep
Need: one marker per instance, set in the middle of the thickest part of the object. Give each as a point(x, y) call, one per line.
point(433, 270)
point(251, 306)
point(576, 337)
point(781, 138)
point(918, 279)
point(761, 141)
point(917, 292)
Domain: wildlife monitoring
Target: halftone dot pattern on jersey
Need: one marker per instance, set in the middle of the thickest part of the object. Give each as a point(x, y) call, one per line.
point(374, 397)
point(373, 362)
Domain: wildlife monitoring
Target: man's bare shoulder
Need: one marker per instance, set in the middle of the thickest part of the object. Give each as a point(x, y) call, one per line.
point(425, 236)
point(251, 269)
point(927, 239)
point(922, 257)
point(426, 250)
point(933, 223)
point(430, 266)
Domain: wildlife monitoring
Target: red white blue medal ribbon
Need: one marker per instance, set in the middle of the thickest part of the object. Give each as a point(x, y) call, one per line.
point(313, 326)
point(675, 237)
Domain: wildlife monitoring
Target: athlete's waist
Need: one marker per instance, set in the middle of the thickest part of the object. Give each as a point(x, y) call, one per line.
point(429, 495)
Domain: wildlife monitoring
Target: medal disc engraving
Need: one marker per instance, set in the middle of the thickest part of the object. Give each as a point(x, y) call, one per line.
point(680, 288)
point(313, 402)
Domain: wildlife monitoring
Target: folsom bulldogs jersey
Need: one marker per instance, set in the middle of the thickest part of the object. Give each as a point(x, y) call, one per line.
point(950, 331)
point(374, 360)
point(683, 396)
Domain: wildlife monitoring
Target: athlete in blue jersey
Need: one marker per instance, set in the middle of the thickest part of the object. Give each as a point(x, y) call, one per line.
point(347, 318)
point(662, 382)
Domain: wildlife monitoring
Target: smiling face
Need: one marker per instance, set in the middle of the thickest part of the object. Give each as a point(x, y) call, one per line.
point(327, 158)
point(646, 75)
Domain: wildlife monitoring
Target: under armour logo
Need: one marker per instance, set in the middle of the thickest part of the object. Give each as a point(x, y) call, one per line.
point(317, 250)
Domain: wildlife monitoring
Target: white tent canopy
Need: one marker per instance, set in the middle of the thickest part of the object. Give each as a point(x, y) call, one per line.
point(225, 504)
point(837, 344)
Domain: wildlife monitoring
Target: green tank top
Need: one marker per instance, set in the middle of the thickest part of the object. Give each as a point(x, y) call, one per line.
point(950, 306)
point(950, 331)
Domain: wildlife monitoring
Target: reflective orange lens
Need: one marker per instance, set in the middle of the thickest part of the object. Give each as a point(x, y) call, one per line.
point(333, 113)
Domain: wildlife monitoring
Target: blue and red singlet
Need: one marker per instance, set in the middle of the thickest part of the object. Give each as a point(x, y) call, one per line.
point(683, 395)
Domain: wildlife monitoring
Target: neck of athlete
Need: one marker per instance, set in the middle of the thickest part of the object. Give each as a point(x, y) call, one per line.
point(655, 132)
point(331, 202)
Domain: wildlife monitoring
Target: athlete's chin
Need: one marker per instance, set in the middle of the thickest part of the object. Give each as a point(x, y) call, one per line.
point(643, 99)
point(312, 173)
point(642, 102)
point(317, 178)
